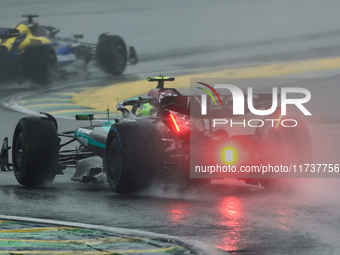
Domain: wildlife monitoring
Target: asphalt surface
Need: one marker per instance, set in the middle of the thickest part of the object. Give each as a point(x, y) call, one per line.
point(183, 37)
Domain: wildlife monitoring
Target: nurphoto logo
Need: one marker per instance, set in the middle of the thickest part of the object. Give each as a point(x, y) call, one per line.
point(240, 101)
point(239, 104)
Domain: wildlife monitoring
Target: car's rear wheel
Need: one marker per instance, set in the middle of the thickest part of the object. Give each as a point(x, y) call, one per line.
point(284, 146)
point(133, 155)
point(35, 151)
point(39, 63)
point(3, 60)
point(111, 54)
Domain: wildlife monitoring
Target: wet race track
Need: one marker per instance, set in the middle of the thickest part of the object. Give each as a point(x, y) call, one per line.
point(192, 37)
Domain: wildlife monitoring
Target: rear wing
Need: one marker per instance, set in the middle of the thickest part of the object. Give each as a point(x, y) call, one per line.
point(6, 33)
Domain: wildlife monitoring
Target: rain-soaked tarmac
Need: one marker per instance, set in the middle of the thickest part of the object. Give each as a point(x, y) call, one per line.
point(195, 36)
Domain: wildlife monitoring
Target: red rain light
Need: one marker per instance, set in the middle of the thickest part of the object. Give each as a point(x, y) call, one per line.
point(174, 121)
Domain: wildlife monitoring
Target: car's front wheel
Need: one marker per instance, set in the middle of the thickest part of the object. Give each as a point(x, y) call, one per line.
point(111, 54)
point(35, 151)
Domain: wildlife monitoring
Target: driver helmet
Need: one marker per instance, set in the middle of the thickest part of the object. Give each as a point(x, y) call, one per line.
point(146, 110)
point(34, 26)
point(41, 32)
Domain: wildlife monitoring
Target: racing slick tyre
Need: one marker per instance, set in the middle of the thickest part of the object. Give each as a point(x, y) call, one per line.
point(39, 63)
point(133, 155)
point(111, 54)
point(35, 151)
point(284, 146)
point(3, 60)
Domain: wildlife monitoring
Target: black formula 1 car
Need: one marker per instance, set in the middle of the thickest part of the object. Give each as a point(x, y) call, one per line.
point(31, 51)
point(138, 149)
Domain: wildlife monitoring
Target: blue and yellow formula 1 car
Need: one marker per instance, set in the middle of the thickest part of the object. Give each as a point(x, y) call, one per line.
point(35, 52)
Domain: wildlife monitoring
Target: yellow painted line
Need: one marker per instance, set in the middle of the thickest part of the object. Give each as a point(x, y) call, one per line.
point(64, 93)
point(23, 230)
point(48, 105)
point(77, 111)
point(157, 250)
point(85, 87)
point(99, 98)
point(44, 99)
point(80, 241)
